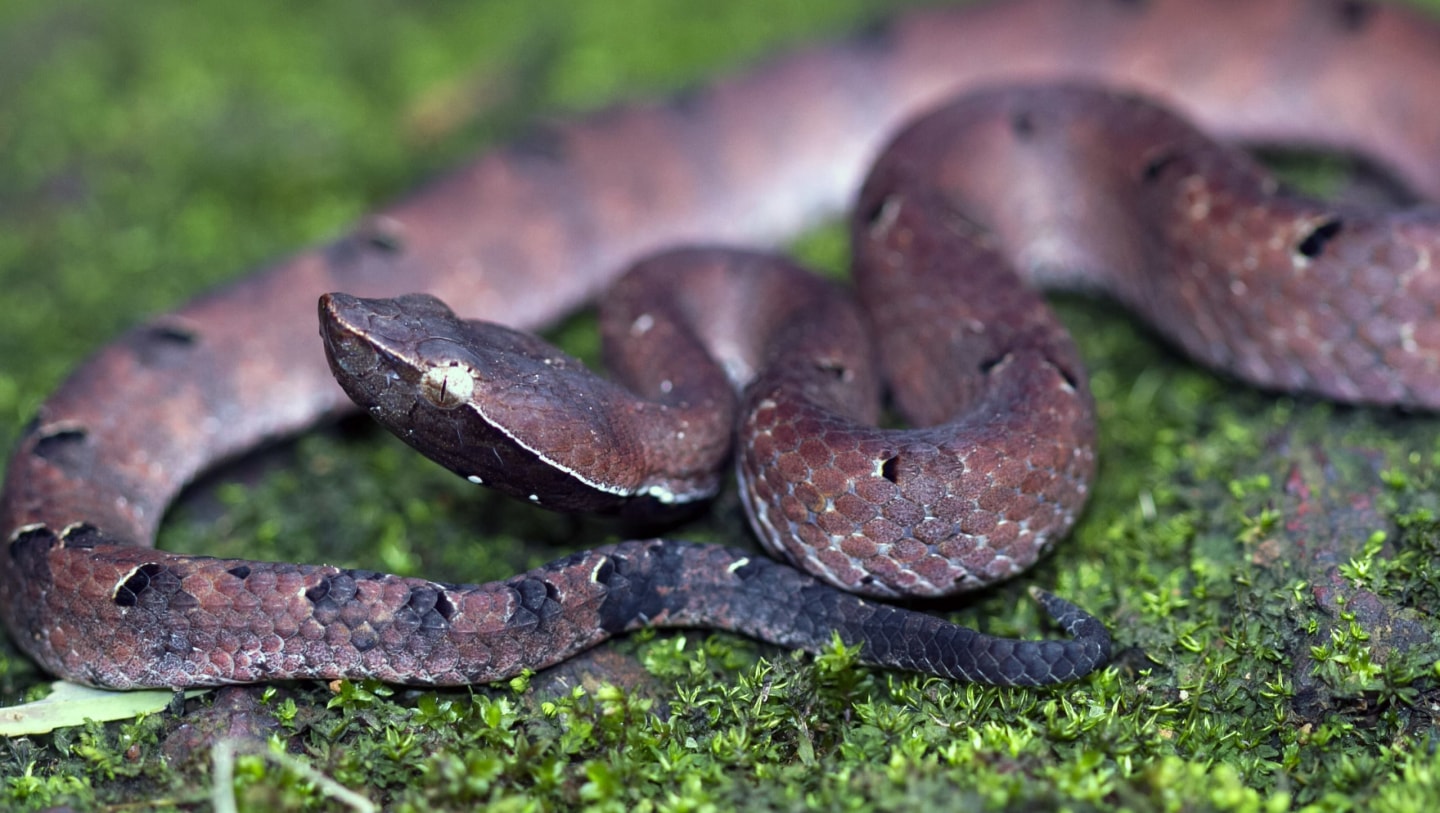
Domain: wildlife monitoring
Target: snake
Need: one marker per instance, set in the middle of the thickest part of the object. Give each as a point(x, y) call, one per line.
point(1059, 164)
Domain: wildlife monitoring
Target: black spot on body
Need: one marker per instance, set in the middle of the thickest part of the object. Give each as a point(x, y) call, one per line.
point(1156, 166)
point(753, 567)
point(877, 37)
point(34, 538)
point(1355, 15)
point(380, 235)
point(606, 571)
point(29, 554)
point(348, 256)
point(890, 469)
point(1066, 373)
point(241, 572)
point(319, 592)
point(339, 588)
point(542, 143)
point(538, 600)
point(84, 536)
point(444, 607)
point(162, 345)
point(65, 448)
point(1023, 125)
point(1313, 244)
point(170, 334)
point(423, 602)
point(688, 102)
point(128, 594)
point(877, 209)
point(642, 590)
point(364, 639)
point(532, 593)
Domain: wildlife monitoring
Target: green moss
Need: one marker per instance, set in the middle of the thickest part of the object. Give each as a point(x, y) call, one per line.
point(1268, 564)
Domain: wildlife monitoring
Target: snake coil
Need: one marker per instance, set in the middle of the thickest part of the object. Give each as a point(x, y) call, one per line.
point(1027, 184)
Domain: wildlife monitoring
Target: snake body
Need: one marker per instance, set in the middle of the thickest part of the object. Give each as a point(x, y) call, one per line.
point(1033, 185)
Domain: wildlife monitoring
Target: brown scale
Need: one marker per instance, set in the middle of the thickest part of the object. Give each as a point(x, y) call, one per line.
point(526, 234)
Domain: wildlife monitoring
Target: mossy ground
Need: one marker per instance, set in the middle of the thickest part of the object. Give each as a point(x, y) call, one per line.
point(1268, 564)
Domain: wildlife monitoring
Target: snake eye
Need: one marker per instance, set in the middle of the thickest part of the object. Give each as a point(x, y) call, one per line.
point(448, 386)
